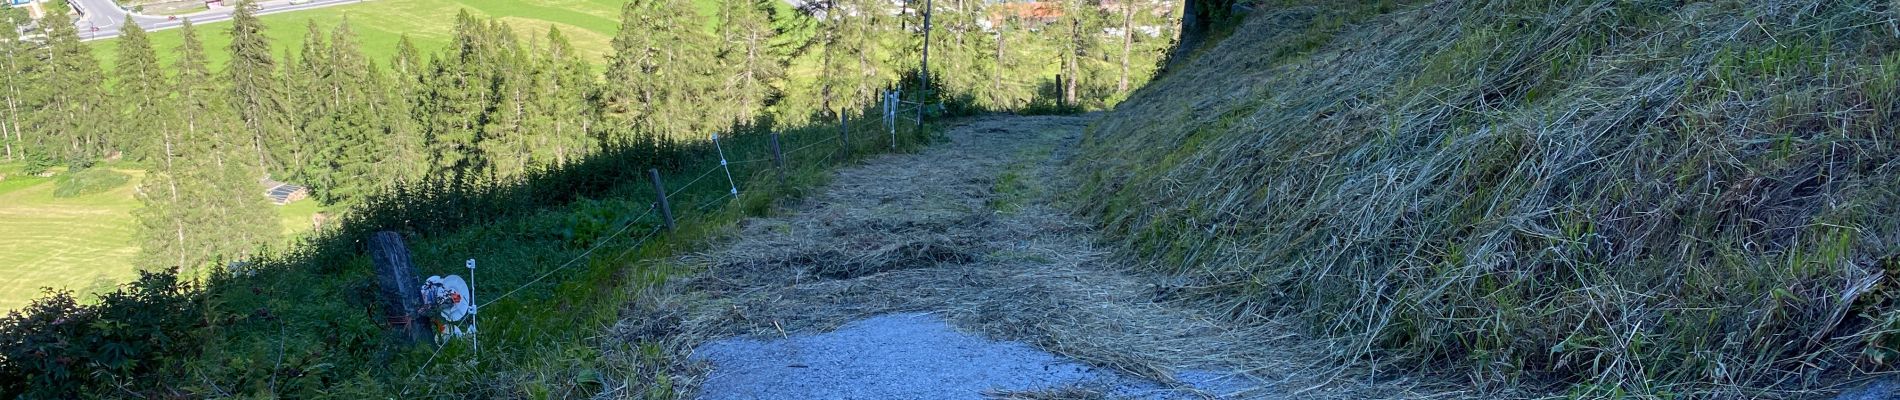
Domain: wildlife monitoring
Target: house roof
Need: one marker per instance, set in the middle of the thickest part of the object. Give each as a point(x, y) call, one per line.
point(280, 192)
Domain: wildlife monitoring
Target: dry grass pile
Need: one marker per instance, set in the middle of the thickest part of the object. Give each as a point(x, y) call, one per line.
point(922, 233)
point(1651, 198)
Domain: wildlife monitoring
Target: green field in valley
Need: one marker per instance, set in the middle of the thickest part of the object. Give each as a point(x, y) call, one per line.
point(76, 243)
point(84, 242)
point(379, 24)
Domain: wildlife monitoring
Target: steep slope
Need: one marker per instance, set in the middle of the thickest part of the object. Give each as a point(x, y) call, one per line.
point(1624, 197)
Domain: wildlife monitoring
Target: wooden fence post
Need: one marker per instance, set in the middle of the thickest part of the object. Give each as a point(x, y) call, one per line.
point(397, 286)
point(844, 138)
point(659, 190)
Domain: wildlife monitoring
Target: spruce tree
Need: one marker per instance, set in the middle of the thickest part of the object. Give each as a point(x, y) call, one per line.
point(307, 94)
point(13, 85)
point(67, 97)
point(203, 204)
point(1078, 35)
point(141, 93)
point(746, 31)
point(352, 149)
point(407, 158)
point(505, 136)
point(567, 91)
point(457, 101)
point(662, 79)
point(255, 93)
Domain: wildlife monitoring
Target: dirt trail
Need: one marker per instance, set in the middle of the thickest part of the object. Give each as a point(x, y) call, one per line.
point(962, 232)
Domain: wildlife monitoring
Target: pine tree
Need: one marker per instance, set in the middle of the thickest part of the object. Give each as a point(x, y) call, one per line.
point(407, 158)
point(505, 135)
point(13, 57)
point(1079, 38)
point(68, 96)
point(202, 201)
point(567, 90)
point(662, 79)
point(458, 100)
point(255, 92)
point(353, 145)
point(963, 57)
point(856, 64)
point(306, 80)
point(746, 31)
point(142, 91)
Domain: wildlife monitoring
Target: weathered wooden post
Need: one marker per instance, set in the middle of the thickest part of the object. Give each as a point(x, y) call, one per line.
point(659, 190)
point(844, 138)
point(397, 286)
point(778, 159)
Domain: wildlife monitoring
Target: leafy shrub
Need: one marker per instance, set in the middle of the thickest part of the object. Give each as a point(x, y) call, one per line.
point(37, 164)
point(88, 181)
point(57, 347)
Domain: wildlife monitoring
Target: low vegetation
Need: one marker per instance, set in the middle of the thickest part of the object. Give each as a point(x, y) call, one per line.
point(1631, 198)
point(513, 149)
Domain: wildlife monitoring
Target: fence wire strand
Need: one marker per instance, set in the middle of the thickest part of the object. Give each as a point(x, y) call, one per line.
point(709, 171)
point(570, 262)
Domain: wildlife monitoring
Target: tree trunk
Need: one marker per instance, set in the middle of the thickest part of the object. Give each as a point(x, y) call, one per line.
point(1128, 41)
point(397, 286)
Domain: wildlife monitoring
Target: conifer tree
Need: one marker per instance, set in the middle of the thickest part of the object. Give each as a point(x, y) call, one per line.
point(202, 201)
point(505, 136)
point(567, 91)
point(963, 56)
point(746, 33)
point(306, 79)
point(1145, 41)
point(1079, 38)
point(662, 79)
point(353, 147)
point(407, 158)
point(67, 92)
point(255, 93)
point(141, 90)
point(13, 85)
point(457, 102)
point(855, 65)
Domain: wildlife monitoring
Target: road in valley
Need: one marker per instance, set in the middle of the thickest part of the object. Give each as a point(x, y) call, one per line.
point(101, 19)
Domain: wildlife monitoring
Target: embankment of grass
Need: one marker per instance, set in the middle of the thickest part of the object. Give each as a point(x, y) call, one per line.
point(1650, 199)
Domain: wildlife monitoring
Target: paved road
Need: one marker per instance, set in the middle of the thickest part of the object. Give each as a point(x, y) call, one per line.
point(103, 18)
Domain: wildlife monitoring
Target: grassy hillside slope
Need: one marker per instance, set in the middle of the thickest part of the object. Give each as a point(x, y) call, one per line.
point(1616, 197)
point(80, 243)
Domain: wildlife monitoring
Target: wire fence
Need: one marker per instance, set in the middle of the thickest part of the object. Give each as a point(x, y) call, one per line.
point(846, 141)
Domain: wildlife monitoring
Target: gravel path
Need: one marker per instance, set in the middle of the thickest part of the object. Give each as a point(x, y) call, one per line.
point(952, 274)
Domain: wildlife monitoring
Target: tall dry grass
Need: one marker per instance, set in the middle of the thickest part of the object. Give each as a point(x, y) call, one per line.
point(1647, 198)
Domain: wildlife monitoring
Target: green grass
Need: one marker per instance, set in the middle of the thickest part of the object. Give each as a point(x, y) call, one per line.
point(76, 243)
point(62, 242)
point(379, 24)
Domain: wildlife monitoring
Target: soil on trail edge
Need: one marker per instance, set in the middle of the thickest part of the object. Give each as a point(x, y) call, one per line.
point(948, 274)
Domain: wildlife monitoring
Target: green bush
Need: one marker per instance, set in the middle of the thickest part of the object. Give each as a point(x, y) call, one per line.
point(57, 347)
point(88, 181)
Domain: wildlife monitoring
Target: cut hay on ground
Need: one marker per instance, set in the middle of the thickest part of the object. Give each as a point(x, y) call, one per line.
point(918, 233)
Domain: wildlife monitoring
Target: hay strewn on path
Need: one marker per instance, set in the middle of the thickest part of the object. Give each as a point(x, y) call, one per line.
point(963, 231)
